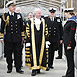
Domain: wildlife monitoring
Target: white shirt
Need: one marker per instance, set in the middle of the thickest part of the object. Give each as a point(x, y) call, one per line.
point(52, 18)
point(11, 13)
point(37, 23)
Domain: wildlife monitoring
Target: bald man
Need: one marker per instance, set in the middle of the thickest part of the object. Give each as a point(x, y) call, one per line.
point(36, 51)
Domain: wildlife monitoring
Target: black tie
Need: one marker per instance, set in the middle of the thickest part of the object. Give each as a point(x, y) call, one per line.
point(11, 14)
point(51, 19)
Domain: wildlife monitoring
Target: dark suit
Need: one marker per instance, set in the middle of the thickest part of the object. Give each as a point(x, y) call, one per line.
point(69, 40)
point(13, 26)
point(55, 35)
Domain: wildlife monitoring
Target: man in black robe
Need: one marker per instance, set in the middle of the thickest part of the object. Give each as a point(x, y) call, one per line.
point(36, 51)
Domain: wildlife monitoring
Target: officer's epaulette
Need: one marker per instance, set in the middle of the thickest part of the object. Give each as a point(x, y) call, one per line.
point(48, 17)
point(18, 13)
point(57, 17)
point(45, 17)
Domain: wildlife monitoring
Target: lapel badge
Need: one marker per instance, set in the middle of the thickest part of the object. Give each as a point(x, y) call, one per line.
point(58, 20)
point(18, 16)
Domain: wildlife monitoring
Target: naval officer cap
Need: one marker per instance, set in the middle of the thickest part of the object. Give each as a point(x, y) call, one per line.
point(52, 10)
point(10, 3)
point(68, 9)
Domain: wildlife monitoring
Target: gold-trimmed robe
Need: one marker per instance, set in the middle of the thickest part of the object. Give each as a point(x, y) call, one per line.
point(37, 53)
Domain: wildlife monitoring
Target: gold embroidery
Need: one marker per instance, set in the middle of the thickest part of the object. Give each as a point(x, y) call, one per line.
point(46, 65)
point(43, 43)
point(6, 21)
point(27, 48)
point(33, 44)
point(46, 49)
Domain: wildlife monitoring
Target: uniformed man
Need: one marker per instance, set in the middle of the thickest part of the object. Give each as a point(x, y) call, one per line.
point(13, 24)
point(36, 51)
point(55, 33)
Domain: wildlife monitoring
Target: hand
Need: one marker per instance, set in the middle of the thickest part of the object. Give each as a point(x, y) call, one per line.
point(27, 44)
point(48, 43)
point(22, 39)
point(61, 41)
point(2, 41)
point(68, 48)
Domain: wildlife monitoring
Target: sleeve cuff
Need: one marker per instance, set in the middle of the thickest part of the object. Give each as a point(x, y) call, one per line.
point(1, 35)
point(23, 35)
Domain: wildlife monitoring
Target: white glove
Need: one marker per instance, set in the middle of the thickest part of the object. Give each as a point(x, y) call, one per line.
point(47, 44)
point(27, 44)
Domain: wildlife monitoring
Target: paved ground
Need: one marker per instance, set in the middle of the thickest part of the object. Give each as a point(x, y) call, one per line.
point(58, 71)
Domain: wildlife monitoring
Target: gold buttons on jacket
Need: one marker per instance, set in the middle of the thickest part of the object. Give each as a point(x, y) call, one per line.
point(12, 32)
point(11, 25)
point(54, 34)
point(15, 21)
point(49, 31)
point(54, 28)
point(11, 28)
point(49, 27)
point(16, 31)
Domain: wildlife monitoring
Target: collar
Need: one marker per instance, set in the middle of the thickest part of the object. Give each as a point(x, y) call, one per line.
point(52, 18)
point(37, 21)
point(73, 19)
point(11, 13)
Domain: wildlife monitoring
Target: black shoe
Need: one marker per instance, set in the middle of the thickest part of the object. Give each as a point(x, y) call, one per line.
point(48, 68)
point(33, 73)
point(9, 71)
point(38, 71)
point(63, 76)
point(20, 71)
point(51, 67)
point(58, 57)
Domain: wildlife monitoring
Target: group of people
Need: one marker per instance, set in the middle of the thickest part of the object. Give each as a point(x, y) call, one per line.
point(43, 36)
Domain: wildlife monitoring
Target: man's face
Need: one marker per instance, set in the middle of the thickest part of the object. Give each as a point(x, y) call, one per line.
point(51, 14)
point(38, 14)
point(11, 8)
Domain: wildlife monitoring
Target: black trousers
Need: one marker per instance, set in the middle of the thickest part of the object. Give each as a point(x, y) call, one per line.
point(60, 52)
point(70, 62)
point(13, 47)
point(53, 47)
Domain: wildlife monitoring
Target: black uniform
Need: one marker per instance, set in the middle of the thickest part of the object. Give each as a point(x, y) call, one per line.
point(13, 26)
point(69, 40)
point(55, 35)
